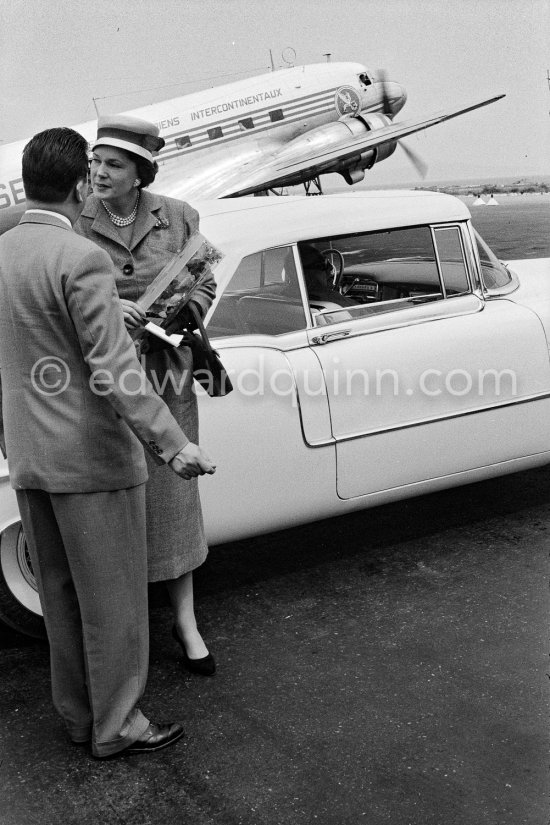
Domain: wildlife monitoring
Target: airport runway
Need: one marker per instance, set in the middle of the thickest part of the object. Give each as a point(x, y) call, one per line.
point(386, 667)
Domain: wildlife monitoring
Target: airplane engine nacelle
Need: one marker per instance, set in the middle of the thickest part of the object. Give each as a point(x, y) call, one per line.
point(353, 169)
point(373, 122)
point(325, 138)
point(333, 136)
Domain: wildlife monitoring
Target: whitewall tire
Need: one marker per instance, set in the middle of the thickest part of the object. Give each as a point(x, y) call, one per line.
point(19, 602)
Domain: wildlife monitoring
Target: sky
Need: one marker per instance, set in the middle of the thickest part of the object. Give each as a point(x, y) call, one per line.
point(58, 56)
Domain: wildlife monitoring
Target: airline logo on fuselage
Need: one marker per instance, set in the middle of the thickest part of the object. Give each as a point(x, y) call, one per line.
point(347, 101)
point(239, 103)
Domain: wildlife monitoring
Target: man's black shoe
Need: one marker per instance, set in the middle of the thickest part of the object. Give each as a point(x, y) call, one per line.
point(155, 737)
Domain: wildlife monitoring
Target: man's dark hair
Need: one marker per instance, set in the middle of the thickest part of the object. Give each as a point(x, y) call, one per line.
point(53, 162)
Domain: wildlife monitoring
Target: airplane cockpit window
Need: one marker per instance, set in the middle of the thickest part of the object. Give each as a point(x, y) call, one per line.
point(365, 80)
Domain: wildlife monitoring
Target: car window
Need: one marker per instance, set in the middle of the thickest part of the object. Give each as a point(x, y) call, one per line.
point(262, 297)
point(379, 272)
point(495, 275)
point(451, 260)
point(387, 271)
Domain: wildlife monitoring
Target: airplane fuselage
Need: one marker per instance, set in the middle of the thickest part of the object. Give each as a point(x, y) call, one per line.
point(217, 134)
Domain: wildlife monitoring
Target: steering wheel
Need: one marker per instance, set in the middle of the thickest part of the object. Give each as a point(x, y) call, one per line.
point(336, 260)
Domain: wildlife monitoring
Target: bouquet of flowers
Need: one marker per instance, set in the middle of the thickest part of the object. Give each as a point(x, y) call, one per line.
point(175, 284)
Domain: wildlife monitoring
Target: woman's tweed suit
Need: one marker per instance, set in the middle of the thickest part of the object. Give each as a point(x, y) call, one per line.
point(175, 535)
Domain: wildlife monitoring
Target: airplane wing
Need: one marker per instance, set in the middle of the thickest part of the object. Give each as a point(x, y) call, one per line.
point(285, 167)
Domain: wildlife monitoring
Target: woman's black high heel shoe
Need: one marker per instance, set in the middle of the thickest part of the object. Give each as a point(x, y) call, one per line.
point(205, 666)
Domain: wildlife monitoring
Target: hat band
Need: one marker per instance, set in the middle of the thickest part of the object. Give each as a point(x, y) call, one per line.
point(124, 143)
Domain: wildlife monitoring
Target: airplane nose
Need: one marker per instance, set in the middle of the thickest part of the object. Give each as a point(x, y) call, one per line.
point(389, 95)
point(394, 95)
point(398, 97)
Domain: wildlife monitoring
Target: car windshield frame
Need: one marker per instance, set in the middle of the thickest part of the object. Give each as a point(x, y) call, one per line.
point(496, 277)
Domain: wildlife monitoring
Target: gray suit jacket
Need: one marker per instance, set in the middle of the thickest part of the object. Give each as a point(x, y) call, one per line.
point(74, 394)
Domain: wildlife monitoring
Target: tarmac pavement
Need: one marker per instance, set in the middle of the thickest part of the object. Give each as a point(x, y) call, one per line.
point(384, 667)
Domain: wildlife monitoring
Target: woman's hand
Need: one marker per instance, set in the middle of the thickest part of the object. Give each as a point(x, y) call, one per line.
point(134, 315)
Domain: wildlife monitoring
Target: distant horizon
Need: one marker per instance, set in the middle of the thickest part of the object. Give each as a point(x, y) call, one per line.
point(507, 179)
point(336, 184)
point(473, 181)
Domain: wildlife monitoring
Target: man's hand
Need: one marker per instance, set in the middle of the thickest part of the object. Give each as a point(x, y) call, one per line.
point(192, 461)
point(134, 314)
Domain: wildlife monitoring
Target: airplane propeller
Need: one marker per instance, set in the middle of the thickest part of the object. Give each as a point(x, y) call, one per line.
point(386, 100)
point(420, 165)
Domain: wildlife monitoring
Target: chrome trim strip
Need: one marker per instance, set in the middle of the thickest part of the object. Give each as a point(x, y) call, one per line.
point(444, 303)
point(435, 419)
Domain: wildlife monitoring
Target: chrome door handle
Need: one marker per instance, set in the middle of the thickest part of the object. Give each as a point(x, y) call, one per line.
point(331, 336)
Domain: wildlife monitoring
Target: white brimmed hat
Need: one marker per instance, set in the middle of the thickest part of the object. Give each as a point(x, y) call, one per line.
point(138, 136)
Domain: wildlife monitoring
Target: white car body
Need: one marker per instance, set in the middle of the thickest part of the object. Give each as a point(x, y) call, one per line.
point(431, 387)
point(287, 459)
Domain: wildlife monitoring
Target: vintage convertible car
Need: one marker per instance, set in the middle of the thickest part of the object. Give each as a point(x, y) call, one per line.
point(416, 361)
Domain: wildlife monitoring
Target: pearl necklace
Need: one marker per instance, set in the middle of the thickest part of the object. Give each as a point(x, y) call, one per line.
point(117, 220)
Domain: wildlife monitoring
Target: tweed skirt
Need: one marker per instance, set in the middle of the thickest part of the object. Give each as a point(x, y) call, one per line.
point(176, 543)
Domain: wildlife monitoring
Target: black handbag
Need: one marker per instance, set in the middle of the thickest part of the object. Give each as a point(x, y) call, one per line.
point(208, 369)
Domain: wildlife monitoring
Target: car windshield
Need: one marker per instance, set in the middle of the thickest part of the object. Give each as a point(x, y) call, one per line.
point(495, 274)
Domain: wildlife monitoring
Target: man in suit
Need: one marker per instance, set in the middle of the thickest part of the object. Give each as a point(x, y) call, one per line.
point(75, 402)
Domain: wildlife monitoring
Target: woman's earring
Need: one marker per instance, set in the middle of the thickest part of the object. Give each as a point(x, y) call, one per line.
point(137, 182)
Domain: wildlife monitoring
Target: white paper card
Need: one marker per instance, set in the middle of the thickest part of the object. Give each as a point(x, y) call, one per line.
point(173, 339)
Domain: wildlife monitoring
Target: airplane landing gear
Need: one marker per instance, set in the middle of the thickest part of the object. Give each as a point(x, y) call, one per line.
point(313, 186)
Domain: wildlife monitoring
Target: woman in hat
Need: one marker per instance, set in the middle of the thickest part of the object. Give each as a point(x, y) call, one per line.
point(142, 232)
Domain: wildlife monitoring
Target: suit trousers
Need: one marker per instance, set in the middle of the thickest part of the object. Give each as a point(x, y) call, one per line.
point(89, 555)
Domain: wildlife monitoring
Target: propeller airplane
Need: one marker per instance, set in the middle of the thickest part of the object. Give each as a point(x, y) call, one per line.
point(274, 130)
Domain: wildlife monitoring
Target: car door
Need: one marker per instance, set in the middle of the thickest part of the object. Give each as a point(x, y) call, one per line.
point(429, 379)
point(265, 469)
